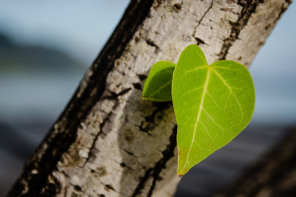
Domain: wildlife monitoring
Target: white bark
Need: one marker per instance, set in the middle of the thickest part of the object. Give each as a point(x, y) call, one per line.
point(125, 146)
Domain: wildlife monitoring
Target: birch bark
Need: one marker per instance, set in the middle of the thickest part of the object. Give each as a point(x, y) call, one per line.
point(109, 142)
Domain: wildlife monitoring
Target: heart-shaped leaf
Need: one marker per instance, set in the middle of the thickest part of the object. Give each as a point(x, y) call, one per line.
point(159, 82)
point(213, 104)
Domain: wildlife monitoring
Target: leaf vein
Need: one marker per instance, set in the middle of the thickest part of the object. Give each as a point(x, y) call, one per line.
point(213, 120)
point(161, 87)
point(211, 97)
point(195, 69)
point(231, 92)
point(207, 131)
point(190, 91)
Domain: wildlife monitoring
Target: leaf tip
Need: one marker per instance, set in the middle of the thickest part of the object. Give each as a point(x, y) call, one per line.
point(182, 171)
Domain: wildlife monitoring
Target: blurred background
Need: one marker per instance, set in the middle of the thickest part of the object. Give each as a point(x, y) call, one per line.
point(45, 48)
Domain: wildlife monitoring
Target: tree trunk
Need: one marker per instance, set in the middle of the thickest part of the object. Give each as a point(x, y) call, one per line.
point(109, 142)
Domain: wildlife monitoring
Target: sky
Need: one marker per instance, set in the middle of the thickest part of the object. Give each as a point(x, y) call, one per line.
point(80, 28)
point(274, 74)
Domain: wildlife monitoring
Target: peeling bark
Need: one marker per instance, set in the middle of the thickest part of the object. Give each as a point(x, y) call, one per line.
point(109, 142)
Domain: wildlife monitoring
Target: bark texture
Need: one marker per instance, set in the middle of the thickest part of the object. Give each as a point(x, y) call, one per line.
point(109, 142)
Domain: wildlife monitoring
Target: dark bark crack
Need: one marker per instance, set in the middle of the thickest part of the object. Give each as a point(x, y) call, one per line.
point(159, 108)
point(137, 86)
point(156, 116)
point(248, 8)
point(146, 128)
point(114, 96)
point(151, 43)
point(107, 187)
point(142, 77)
point(210, 7)
point(154, 173)
point(96, 138)
point(198, 40)
point(129, 153)
point(123, 165)
point(78, 189)
point(177, 7)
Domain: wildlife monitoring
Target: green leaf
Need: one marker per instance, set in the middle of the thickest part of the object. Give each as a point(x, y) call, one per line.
point(159, 82)
point(213, 104)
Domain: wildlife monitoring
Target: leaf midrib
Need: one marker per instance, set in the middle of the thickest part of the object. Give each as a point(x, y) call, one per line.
point(199, 112)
